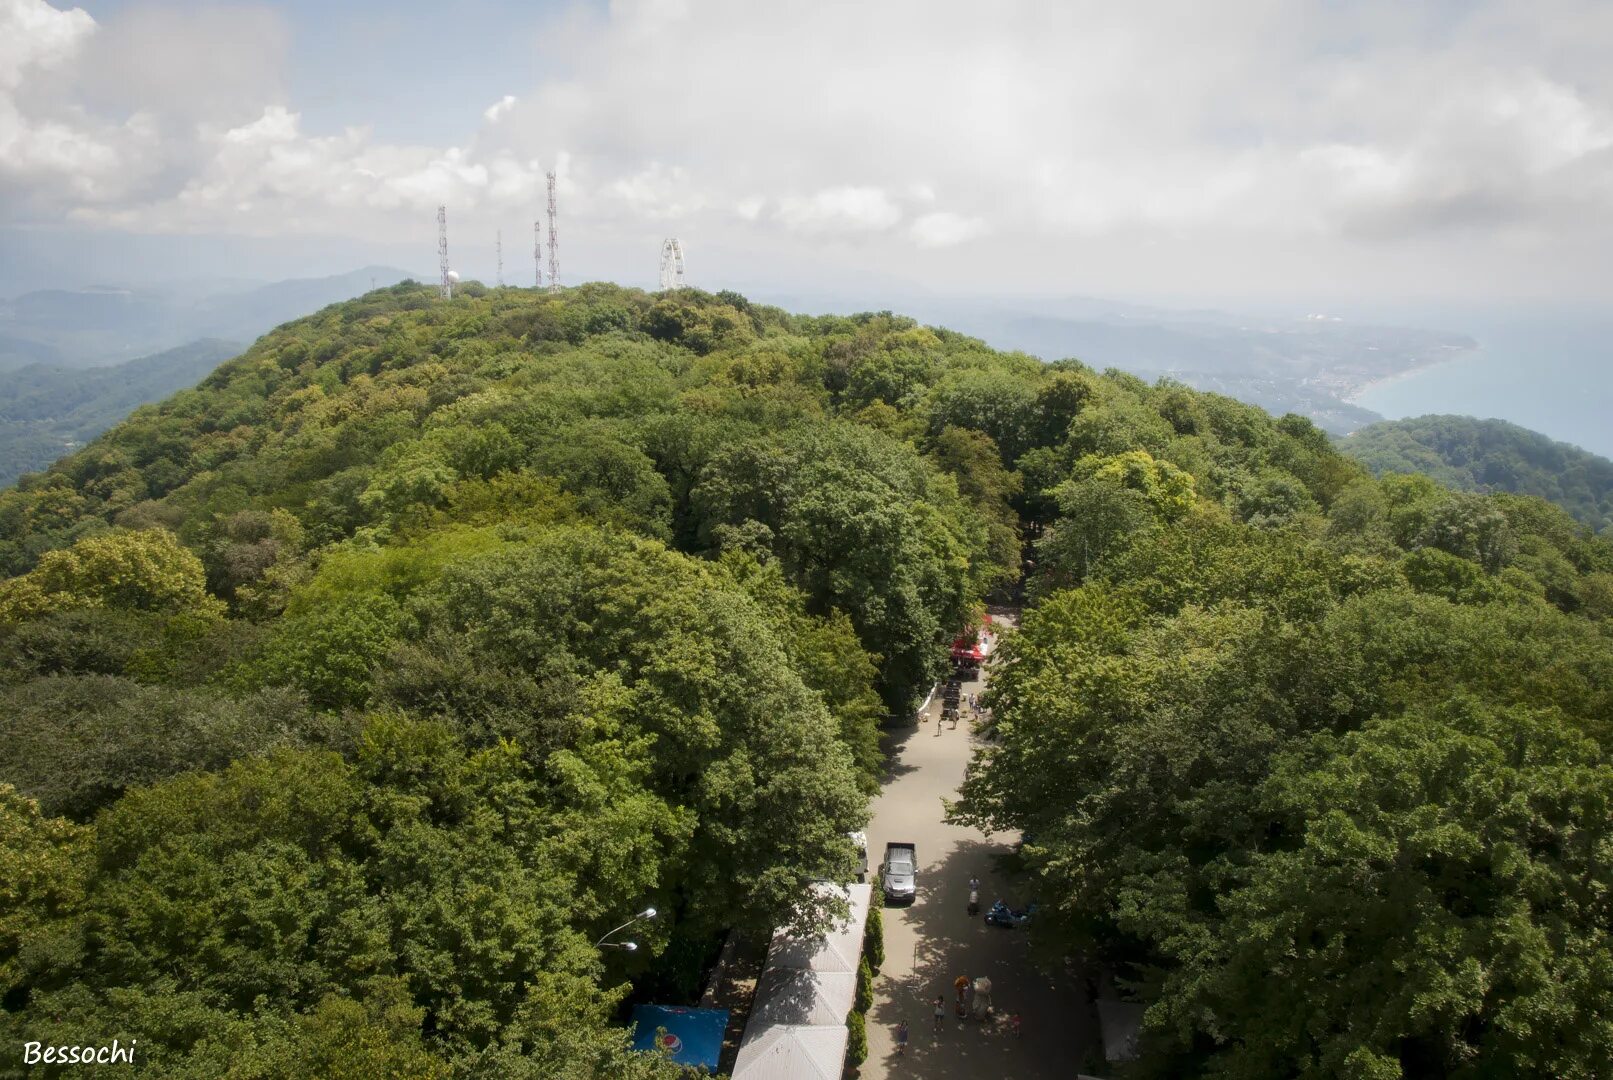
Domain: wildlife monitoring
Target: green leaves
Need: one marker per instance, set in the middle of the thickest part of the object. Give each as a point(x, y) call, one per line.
point(303, 880)
point(145, 570)
point(1431, 906)
point(1321, 824)
point(861, 525)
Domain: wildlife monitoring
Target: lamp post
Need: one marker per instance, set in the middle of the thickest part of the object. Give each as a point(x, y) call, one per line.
point(625, 946)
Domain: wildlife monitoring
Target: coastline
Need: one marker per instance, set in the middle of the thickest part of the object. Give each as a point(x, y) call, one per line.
point(1354, 396)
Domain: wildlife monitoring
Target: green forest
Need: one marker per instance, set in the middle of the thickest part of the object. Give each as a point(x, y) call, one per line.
point(45, 410)
point(351, 695)
point(1469, 454)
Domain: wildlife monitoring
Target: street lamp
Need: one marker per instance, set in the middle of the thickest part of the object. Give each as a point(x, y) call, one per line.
point(625, 946)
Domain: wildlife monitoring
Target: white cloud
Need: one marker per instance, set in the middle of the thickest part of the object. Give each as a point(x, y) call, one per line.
point(63, 151)
point(496, 111)
point(35, 35)
point(1326, 137)
point(271, 168)
point(945, 229)
point(656, 192)
point(843, 209)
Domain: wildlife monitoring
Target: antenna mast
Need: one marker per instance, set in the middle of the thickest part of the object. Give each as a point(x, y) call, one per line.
point(498, 252)
point(445, 288)
point(671, 263)
point(554, 251)
point(537, 254)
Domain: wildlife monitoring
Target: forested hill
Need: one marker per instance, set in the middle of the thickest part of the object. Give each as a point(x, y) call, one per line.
point(1470, 454)
point(46, 411)
point(351, 695)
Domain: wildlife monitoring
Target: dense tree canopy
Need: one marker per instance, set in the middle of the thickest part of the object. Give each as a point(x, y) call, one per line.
point(1469, 454)
point(347, 697)
point(1330, 793)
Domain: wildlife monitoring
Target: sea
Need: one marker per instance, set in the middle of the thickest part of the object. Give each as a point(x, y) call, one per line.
point(1551, 371)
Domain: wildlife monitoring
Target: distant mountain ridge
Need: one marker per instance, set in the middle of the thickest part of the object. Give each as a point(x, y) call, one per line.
point(48, 411)
point(73, 362)
point(1470, 454)
point(106, 325)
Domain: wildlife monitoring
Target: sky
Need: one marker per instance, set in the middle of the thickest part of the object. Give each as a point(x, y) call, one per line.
point(1314, 152)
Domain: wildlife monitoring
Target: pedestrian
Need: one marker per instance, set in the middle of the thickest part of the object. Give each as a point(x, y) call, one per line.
point(974, 884)
point(1014, 1025)
point(901, 1037)
point(940, 1010)
point(961, 985)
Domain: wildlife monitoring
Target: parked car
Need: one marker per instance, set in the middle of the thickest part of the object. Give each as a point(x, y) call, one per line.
point(900, 870)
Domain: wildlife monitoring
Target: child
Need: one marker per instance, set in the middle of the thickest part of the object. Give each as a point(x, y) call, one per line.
point(901, 1037)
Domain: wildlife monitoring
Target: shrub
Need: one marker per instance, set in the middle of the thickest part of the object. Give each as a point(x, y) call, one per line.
point(865, 986)
point(874, 935)
point(857, 1044)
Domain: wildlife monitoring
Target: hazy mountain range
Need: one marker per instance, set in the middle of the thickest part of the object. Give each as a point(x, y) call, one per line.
point(73, 362)
point(47, 411)
point(102, 326)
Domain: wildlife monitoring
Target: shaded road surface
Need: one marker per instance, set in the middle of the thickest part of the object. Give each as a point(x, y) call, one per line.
point(932, 942)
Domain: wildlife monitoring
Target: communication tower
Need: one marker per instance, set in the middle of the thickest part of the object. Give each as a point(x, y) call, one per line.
point(537, 254)
point(554, 249)
point(671, 263)
point(445, 285)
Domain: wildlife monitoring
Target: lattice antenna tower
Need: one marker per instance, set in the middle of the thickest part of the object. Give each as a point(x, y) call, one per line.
point(498, 253)
point(445, 287)
point(537, 254)
point(554, 243)
point(671, 263)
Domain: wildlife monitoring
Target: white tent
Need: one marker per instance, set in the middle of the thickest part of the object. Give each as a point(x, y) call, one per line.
point(797, 1026)
point(793, 1052)
point(839, 949)
point(798, 996)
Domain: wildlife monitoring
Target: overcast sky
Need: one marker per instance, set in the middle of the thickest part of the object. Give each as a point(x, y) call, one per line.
point(1330, 152)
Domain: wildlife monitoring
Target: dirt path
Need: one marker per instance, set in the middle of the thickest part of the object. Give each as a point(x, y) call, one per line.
point(932, 942)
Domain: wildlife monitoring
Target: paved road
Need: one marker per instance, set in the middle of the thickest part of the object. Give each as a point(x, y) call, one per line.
point(932, 942)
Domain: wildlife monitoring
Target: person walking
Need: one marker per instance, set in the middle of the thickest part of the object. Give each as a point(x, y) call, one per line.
point(940, 1004)
point(901, 1038)
point(961, 985)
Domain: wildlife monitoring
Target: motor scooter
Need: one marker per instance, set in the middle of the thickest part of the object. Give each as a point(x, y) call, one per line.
point(1008, 918)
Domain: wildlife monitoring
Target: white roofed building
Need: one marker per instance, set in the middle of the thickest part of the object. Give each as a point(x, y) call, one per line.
point(797, 1027)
